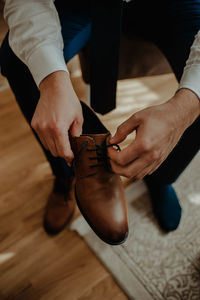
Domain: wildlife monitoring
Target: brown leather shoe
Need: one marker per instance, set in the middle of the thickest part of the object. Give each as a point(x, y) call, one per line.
point(99, 192)
point(60, 206)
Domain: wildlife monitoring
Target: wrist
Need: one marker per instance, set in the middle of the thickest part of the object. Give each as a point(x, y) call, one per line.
point(186, 105)
point(55, 82)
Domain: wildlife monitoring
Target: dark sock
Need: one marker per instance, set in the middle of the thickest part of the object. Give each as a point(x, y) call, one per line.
point(63, 184)
point(165, 204)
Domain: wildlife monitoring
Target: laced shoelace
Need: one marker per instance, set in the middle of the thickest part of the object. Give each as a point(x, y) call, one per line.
point(101, 153)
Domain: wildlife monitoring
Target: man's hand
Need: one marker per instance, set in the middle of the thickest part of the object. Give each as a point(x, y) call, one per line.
point(58, 111)
point(158, 130)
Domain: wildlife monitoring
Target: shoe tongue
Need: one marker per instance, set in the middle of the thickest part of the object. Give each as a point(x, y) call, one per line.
point(99, 139)
point(83, 160)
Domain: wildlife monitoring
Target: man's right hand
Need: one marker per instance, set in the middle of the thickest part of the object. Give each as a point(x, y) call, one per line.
point(58, 111)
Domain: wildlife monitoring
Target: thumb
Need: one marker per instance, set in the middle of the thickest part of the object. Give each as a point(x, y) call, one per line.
point(125, 129)
point(76, 128)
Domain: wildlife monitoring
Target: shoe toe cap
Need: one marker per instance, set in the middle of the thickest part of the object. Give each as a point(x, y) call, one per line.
point(113, 235)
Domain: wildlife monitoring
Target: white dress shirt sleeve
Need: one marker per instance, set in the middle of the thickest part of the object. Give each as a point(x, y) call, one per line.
point(35, 36)
point(191, 75)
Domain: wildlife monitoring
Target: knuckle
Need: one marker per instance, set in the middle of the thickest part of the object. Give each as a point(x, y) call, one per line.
point(42, 126)
point(120, 130)
point(139, 176)
point(128, 174)
point(63, 154)
point(134, 117)
point(145, 145)
point(155, 155)
point(34, 124)
point(157, 166)
point(54, 127)
point(68, 156)
point(54, 154)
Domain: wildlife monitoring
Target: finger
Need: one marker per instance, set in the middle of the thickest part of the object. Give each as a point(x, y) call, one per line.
point(42, 139)
point(143, 173)
point(127, 155)
point(63, 146)
point(50, 142)
point(155, 167)
point(76, 127)
point(131, 170)
point(158, 162)
point(125, 129)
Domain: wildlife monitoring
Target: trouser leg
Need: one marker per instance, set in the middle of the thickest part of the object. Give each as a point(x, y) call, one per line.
point(75, 32)
point(184, 19)
point(172, 25)
point(27, 95)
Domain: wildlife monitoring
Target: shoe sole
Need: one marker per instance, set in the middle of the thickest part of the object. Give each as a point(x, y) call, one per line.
point(94, 229)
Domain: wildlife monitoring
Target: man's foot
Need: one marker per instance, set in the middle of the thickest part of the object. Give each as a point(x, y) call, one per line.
point(60, 206)
point(165, 205)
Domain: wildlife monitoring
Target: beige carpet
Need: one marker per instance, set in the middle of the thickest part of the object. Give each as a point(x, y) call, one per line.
point(151, 264)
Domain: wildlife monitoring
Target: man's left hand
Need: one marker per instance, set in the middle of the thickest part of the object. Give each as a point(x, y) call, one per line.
point(158, 130)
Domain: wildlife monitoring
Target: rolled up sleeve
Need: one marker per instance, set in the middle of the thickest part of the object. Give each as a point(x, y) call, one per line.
point(35, 36)
point(191, 75)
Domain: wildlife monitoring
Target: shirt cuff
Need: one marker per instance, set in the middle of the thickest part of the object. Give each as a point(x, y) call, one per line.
point(44, 61)
point(191, 79)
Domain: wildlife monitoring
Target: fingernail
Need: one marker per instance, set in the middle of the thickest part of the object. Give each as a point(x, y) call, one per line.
point(77, 134)
point(68, 163)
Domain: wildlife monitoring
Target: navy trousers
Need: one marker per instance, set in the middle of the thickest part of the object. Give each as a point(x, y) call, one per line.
point(171, 25)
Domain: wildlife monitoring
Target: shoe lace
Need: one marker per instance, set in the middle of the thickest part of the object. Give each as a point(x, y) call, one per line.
point(101, 153)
